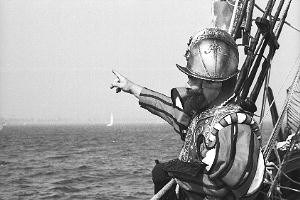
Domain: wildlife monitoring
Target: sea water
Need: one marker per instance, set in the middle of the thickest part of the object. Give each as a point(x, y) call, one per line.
point(83, 162)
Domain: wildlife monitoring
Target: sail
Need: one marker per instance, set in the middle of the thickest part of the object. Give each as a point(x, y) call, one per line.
point(293, 110)
point(111, 122)
point(2, 124)
point(287, 105)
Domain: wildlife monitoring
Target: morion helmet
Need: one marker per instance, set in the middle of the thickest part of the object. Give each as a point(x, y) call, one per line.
point(212, 55)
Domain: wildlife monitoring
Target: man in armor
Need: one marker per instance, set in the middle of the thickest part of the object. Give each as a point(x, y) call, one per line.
point(221, 157)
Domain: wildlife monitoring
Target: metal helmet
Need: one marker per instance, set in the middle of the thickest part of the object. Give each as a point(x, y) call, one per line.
point(212, 54)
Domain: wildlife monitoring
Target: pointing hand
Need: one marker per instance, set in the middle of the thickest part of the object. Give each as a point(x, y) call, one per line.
point(121, 83)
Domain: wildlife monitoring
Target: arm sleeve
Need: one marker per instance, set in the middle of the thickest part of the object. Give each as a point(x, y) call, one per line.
point(162, 106)
point(236, 158)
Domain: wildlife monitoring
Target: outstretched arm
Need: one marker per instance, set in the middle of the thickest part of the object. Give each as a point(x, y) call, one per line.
point(123, 84)
point(156, 103)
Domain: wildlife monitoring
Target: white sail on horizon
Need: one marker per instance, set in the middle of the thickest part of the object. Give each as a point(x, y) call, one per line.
point(111, 122)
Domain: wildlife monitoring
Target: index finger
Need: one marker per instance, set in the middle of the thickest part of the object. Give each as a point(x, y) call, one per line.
point(117, 74)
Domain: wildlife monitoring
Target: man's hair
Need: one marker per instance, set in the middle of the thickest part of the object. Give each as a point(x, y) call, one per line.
point(230, 83)
point(227, 88)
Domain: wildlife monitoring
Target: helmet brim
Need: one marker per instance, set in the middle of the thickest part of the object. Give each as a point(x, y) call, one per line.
point(190, 73)
point(186, 71)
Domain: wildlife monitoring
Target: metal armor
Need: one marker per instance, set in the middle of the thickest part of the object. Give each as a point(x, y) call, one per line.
point(211, 55)
point(201, 128)
point(227, 141)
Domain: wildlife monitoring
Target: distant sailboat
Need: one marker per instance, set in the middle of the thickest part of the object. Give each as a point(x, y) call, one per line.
point(111, 120)
point(2, 125)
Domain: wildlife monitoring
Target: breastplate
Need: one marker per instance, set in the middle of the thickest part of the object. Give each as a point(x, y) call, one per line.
point(200, 137)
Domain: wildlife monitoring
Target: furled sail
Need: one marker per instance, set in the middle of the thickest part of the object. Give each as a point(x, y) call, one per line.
point(293, 109)
point(290, 105)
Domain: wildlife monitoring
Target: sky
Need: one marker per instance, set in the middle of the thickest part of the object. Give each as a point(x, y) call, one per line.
point(56, 56)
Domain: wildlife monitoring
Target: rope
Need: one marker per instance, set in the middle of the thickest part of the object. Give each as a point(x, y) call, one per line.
point(286, 154)
point(281, 88)
point(288, 188)
point(284, 174)
point(287, 23)
point(290, 179)
point(163, 190)
point(273, 137)
point(284, 187)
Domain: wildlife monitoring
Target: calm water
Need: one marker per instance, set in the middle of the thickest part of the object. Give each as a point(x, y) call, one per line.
point(82, 162)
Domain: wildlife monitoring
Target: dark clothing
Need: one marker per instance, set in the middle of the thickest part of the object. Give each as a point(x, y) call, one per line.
point(160, 178)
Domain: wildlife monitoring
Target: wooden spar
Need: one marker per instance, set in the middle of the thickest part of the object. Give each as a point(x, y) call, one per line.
point(240, 20)
point(267, 63)
point(277, 34)
point(236, 15)
point(269, 33)
point(158, 195)
point(286, 22)
point(253, 72)
point(250, 57)
point(246, 36)
point(273, 22)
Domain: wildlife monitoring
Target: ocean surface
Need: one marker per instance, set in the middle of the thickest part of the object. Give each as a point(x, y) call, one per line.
point(83, 162)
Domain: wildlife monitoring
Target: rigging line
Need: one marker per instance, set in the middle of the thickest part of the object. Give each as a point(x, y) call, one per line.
point(289, 178)
point(294, 112)
point(288, 188)
point(296, 103)
point(290, 147)
point(294, 118)
point(280, 171)
point(283, 187)
point(280, 89)
point(275, 131)
point(273, 197)
point(286, 22)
